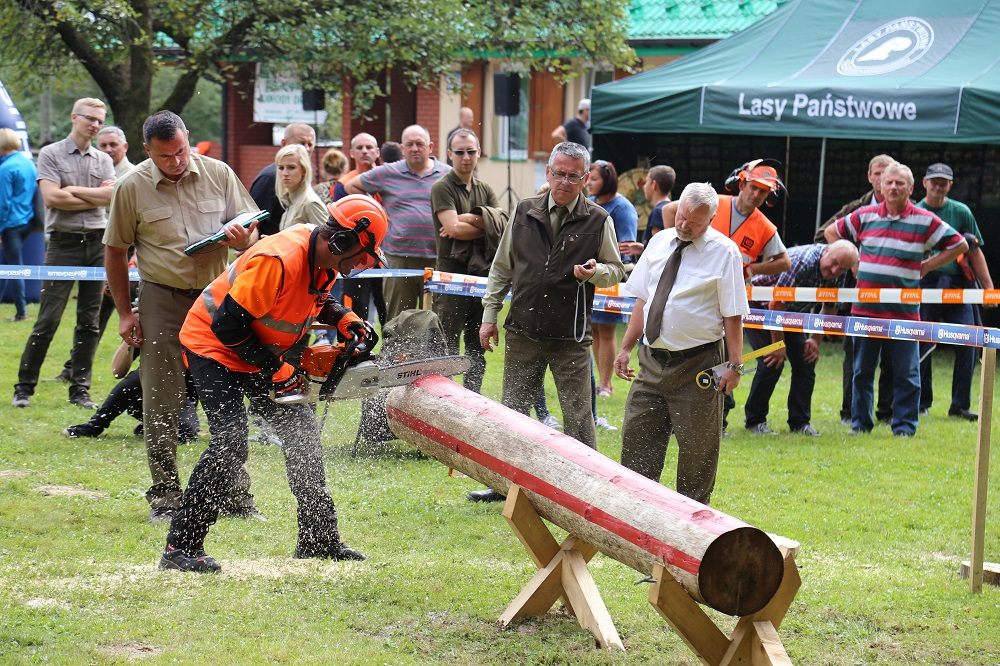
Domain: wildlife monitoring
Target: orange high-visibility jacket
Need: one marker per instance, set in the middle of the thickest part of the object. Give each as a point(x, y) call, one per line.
point(273, 282)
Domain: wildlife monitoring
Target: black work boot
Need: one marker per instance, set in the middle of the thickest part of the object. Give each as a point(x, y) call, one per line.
point(197, 561)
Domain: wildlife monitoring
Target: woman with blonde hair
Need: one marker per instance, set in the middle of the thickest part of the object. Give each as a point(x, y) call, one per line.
point(293, 188)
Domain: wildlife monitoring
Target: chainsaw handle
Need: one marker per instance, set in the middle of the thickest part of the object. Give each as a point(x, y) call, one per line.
point(363, 339)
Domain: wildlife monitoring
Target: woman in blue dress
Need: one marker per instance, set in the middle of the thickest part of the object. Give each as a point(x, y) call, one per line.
point(603, 188)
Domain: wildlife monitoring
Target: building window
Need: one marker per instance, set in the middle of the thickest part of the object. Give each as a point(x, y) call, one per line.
point(597, 77)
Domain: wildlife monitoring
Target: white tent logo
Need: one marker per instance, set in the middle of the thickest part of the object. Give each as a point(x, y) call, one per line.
point(889, 47)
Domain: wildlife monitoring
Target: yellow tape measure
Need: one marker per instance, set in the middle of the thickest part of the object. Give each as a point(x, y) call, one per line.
point(764, 351)
point(706, 378)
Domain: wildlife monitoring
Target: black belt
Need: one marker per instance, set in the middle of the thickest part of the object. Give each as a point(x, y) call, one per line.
point(666, 354)
point(177, 290)
point(77, 236)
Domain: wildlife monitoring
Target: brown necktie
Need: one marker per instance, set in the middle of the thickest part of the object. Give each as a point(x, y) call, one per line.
point(655, 319)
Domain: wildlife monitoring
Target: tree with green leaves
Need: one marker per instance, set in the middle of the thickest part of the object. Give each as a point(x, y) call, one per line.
point(122, 43)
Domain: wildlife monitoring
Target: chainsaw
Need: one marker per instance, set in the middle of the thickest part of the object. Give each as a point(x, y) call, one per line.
point(710, 378)
point(334, 372)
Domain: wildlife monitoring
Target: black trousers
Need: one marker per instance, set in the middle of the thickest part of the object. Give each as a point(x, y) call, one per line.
point(766, 378)
point(222, 392)
point(126, 397)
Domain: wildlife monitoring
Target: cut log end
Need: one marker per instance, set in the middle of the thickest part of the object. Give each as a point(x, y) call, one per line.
point(741, 571)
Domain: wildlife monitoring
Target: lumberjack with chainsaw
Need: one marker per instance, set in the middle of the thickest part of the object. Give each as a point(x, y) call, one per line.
point(233, 339)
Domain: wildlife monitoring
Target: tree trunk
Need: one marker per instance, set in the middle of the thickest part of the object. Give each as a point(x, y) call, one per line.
point(720, 561)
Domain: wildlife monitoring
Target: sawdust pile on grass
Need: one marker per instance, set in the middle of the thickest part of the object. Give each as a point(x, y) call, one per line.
point(70, 491)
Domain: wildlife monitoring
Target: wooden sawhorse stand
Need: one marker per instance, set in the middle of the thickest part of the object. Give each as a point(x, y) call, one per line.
point(563, 573)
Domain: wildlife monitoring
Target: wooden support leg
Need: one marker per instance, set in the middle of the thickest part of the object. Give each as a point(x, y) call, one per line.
point(687, 618)
point(563, 572)
point(754, 641)
point(591, 612)
point(767, 647)
point(982, 469)
point(745, 641)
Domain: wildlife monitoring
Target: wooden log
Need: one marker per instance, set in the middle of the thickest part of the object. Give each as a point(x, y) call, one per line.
point(720, 561)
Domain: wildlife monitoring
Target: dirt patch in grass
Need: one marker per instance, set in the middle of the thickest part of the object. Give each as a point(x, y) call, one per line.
point(70, 491)
point(129, 651)
point(43, 602)
point(11, 474)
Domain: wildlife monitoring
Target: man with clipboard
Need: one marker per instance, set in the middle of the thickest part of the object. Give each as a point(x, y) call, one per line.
point(162, 206)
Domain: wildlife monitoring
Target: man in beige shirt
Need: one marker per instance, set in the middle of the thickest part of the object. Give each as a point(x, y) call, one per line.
point(164, 204)
point(75, 180)
point(110, 141)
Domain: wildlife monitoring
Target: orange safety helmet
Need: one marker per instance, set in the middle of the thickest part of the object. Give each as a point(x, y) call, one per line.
point(758, 172)
point(764, 176)
point(357, 221)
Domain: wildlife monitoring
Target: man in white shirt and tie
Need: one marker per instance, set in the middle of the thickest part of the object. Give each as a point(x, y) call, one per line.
point(694, 305)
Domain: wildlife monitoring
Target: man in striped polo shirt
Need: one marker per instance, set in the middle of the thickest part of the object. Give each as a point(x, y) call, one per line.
point(893, 237)
point(405, 188)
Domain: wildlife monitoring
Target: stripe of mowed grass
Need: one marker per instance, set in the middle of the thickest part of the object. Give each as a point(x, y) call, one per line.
point(883, 524)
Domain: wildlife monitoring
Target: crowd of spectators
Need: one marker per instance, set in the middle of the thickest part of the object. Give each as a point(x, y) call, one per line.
point(688, 272)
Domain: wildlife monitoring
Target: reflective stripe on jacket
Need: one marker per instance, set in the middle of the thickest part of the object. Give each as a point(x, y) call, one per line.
point(295, 304)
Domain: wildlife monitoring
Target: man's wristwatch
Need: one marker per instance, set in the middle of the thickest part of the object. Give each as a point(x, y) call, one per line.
point(738, 369)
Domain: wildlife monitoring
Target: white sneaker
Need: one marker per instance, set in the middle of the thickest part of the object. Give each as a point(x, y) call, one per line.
point(551, 422)
point(601, 423)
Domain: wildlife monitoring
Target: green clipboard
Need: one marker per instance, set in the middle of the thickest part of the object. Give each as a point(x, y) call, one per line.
point(245, 219)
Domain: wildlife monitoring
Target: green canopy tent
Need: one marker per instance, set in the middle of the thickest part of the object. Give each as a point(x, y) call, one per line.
point(919, 70)
point(876, 70)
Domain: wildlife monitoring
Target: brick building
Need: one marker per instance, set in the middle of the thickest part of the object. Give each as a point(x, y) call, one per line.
point(659, 31)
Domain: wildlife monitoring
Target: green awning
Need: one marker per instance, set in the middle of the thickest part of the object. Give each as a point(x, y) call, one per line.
point(850, 69)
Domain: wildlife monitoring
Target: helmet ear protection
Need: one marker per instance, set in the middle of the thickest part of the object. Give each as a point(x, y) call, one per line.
point(343, 241)
point(742, 173)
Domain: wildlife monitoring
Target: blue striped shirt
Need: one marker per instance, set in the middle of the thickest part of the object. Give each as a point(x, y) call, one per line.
point(805, 272)
point(406, 196)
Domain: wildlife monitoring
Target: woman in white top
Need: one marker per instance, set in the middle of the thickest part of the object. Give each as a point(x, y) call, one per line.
point(294, 189)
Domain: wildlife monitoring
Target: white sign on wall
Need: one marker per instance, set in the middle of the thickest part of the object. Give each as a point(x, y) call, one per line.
point(277, 97)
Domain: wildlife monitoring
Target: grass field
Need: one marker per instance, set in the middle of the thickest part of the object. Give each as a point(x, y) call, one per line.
point(883, 525)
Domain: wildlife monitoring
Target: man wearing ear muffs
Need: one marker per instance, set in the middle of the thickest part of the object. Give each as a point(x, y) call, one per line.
point(738, 217)
point(234, 338)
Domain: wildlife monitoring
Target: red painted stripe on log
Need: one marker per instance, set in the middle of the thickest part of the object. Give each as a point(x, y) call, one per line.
point(632, 482)
point(668, 553)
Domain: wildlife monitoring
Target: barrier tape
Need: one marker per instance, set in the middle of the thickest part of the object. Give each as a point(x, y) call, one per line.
point(891, 329)
point(615, 298)
point(916, 296)
point(96, 273)
point(866, 327)
point(456, 283)
point(611, 300)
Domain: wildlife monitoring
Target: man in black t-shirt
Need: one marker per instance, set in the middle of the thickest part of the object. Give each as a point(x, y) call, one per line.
point(576, 129)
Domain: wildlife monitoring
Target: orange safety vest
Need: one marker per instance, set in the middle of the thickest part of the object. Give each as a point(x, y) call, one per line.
point(751, 236)
point(349, 176)
point(301, 294)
